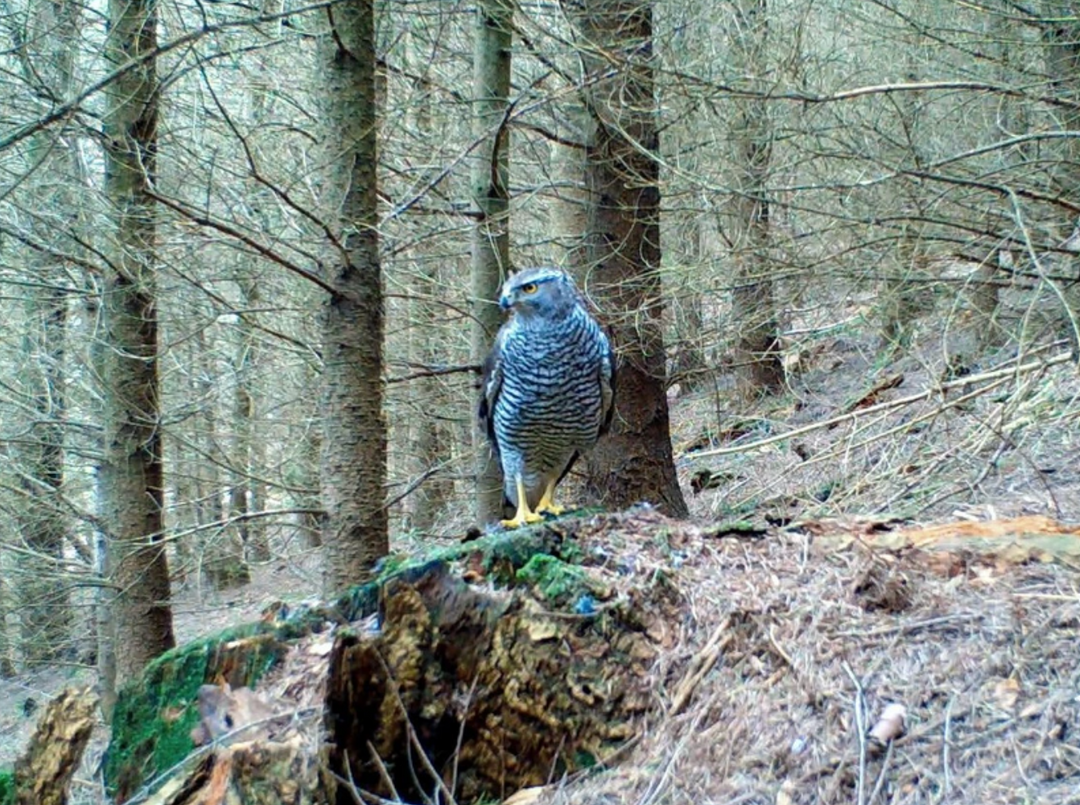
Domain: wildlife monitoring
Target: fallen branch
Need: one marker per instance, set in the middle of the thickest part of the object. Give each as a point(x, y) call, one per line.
point(700, 665)
point(940, 388)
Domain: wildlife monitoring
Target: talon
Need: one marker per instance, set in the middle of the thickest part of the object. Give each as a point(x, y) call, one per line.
point(524, 516)
point(547, 504)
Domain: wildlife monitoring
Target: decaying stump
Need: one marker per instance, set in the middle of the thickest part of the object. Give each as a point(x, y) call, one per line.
point(494, 688)
point(249, 773)
point(43, 773)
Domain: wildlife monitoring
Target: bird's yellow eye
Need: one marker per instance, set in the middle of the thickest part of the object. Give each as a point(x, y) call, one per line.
point(529, 288)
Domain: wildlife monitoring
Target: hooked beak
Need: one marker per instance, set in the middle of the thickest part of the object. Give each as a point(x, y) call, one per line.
point(505, 303)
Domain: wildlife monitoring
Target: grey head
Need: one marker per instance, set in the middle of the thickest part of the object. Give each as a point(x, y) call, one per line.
point(540, 294)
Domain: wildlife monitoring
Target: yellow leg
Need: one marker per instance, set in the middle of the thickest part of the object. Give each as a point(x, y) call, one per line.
point(547, 504)
point(523, 515)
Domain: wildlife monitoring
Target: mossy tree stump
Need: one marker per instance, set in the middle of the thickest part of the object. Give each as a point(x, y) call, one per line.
point(495, 688)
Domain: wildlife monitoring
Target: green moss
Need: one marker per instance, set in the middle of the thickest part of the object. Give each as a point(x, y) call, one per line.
point(554, 580)
point(584, 759)
point(154, 716)
point(7, 788)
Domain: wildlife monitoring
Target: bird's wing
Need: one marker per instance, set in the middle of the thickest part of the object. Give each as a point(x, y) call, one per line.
point(491, 377)
point(607, 385)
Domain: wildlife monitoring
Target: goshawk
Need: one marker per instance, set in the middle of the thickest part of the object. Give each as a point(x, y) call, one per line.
point(547, 392)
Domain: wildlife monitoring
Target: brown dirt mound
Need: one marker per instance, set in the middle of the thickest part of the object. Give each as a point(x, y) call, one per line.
point(798, 644)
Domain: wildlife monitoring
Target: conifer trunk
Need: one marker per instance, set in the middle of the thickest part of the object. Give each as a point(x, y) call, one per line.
point(131, 472)
point(353, 461)
point(634, 462)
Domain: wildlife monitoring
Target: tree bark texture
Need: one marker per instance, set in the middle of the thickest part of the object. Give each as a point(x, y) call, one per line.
point(634, 462)
point(354, 449)
point(131, 472)
point(491, 237)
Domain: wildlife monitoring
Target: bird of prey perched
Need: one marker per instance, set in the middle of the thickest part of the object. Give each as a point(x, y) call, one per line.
point(547, 392)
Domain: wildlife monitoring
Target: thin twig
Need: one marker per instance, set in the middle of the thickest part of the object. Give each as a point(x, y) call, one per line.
point(997, 374)
point(461, 732)
point(860, 729)
point(881, 774)
point(947, 784)
point(383, 772)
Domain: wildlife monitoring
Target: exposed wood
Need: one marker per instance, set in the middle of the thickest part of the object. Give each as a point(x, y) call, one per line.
point(43, 773)
point(500, 693)
point(251, 773)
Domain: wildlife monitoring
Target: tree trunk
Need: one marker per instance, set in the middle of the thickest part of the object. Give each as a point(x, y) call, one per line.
point(1061, 36)
point(249, 491)
point(570, 208)
point(904, 298)
point(7, 664)
point(251, 447)
point(104, 611)
point(430, 439)
point(354, 427)
point(634, 462)
point(305, 480)
point(219, 550)
point(44, 606)
point(131, 472)
point(759, 369)
point(491, 237)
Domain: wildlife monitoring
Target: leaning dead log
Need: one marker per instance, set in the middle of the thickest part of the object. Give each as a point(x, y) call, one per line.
point(43, 773)
point(477, 693)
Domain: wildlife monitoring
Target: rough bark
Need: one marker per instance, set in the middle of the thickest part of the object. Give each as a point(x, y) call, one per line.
point(634, 462)
point(491, 237)
point(353, 463)
point(44, 771)
point(570, 207)
point(131, 472)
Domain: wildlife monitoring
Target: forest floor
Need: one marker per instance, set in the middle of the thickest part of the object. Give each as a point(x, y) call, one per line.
point(811, 632)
